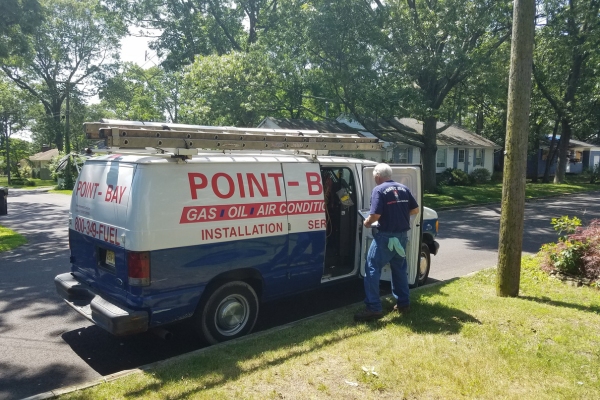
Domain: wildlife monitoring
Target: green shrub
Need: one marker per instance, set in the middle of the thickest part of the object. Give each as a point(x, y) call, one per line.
point(479, 175)
point(577, 253)
point(497, 177)
point(444, 178)
point(565, 225)
point(453, 177)
point(459, 178)
point(25, 171)
point(21, 182)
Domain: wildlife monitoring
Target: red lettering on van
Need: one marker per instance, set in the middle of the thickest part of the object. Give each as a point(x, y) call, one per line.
point(215, 185)
point(87, 189)
point(114, 194)
point(314, 183)
point(194, 186)
point(243, 185)
point(277, 178)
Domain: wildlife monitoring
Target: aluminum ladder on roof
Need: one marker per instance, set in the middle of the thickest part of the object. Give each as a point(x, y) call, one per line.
point(140, 135)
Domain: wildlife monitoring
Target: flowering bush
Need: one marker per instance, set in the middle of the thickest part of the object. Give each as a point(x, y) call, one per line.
point(577, 253)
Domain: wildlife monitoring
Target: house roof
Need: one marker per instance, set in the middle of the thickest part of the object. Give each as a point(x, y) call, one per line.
point(44, 155)
point(573, 143)
point(453, 136)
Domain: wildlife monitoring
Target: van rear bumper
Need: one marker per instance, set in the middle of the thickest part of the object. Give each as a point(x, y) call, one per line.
point(116, 319)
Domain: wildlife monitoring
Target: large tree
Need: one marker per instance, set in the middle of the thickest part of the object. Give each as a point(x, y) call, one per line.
point(199, 27)
point(76, 44)
point(565, 42)
point(18, 20)
point(414, 53)
point(14, 117)
point(136, 94)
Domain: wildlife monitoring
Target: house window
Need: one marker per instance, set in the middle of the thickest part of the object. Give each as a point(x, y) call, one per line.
point(461, 156)
point(441, 158)
point(403, 155)
point(478, 158)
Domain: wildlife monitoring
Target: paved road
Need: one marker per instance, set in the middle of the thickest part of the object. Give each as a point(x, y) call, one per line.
point(45, 345)
point(469, 236)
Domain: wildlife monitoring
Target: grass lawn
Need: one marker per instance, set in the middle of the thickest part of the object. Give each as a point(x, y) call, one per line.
point(456, 196)
point(460, 341)
point(38, 183)
point(10, 239)
point(67, 192)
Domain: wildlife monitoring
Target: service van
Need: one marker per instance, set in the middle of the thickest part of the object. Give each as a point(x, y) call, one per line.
point(159, 238)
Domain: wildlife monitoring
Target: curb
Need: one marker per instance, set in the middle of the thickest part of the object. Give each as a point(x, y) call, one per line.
point(117, 375)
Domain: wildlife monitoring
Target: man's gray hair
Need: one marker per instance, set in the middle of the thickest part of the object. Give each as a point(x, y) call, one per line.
point(383, 170)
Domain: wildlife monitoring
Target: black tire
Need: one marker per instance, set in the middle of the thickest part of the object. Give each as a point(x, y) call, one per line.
point(230, 311)
point(424, 265)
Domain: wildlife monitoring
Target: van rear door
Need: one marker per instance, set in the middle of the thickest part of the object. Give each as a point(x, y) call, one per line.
point(98, 221)
point(409, 176)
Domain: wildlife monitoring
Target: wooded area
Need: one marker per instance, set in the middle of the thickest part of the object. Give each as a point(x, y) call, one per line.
point(237, 62)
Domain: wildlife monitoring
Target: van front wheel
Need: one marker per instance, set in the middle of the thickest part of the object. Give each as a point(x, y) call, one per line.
point(230, 311)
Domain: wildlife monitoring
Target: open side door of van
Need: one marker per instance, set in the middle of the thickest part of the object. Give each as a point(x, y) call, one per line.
point(409, 176)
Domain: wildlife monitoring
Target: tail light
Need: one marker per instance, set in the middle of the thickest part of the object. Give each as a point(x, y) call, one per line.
point(138, 266)
point(437, 226)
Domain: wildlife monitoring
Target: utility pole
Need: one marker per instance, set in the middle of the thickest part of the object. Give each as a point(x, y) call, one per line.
point(510, 244)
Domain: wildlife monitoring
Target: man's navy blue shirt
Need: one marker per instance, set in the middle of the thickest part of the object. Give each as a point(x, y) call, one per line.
point(393, 201)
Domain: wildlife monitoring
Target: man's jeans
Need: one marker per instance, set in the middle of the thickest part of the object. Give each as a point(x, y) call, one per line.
point(378, 256)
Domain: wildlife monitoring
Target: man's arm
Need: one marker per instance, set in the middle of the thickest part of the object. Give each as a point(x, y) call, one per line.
point(371, 219)
point(414, 211)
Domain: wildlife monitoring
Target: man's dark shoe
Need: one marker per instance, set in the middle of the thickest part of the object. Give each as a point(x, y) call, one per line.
point(367, 315)
point(402, 310)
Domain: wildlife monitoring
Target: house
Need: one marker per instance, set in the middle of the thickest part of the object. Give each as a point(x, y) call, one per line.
point(582, 156)
point(40, 162)
point(330, 126)
point(458, 147)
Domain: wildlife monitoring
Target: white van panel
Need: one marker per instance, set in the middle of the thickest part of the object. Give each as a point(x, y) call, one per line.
point(178, 205)
point(411, 178)
point(305, 201)
point(100, 201)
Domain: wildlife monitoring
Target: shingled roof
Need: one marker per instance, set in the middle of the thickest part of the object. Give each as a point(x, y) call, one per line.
point(44, 155)
point(453, 136)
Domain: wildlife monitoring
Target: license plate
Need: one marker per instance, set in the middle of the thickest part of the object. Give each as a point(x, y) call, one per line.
point(110, 258)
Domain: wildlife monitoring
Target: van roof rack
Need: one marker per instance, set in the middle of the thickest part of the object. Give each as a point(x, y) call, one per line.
point(185, 138)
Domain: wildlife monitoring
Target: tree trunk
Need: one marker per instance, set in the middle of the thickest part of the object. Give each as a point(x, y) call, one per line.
point(536, 160)
point(517, 126)
point(551, 153)
point(479, 123)
point(428, 154)
point(563, 150)
point(7, 151)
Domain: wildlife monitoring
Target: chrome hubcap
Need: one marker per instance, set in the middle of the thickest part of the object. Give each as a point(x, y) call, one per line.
point(232, 315)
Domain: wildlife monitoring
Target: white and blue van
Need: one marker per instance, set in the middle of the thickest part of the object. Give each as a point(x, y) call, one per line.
point(156, 239)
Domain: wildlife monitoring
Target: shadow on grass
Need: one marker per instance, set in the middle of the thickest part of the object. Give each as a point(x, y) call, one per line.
point(228, 362)
point(547, 300)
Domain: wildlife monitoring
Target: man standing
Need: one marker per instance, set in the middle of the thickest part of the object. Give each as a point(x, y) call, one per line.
point(392, 204)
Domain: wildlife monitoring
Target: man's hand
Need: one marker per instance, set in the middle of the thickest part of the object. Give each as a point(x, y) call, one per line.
point(371, 220)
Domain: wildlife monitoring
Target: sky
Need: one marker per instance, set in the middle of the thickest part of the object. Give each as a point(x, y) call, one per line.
point(135, 49)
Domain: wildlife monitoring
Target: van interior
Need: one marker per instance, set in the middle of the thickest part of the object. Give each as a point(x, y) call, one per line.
point(341, 212)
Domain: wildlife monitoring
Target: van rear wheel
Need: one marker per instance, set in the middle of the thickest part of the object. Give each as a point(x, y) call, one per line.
point(424, 265)
point(230, 311)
